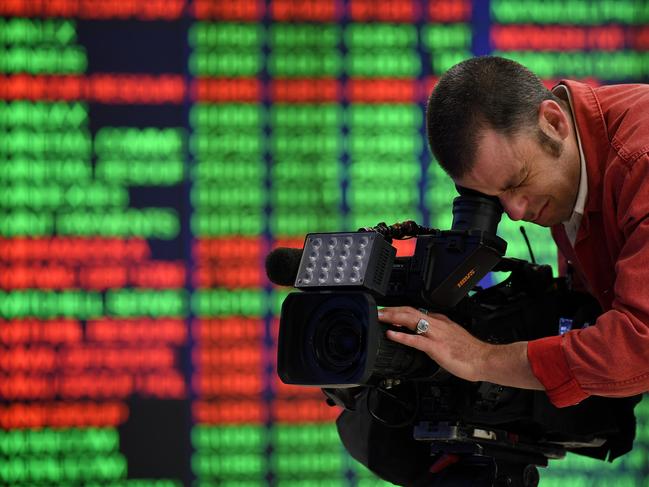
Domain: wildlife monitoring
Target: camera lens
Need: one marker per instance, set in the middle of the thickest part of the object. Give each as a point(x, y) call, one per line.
point(338, 341)
point(324, 338)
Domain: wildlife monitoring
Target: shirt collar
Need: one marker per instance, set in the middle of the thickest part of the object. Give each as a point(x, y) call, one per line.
point(582, 193)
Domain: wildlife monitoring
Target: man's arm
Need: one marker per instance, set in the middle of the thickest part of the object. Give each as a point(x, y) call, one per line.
point(460, 353)
point(609, 359)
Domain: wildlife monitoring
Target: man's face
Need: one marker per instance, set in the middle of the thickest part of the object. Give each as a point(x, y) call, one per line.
point(534, 181)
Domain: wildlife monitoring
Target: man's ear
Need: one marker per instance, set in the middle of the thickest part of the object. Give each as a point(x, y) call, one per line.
point(553, 120)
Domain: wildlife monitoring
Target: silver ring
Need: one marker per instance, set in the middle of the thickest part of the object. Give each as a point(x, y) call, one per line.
point(422, 326)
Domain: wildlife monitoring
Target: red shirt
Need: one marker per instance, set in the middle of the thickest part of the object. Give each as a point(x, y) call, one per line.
point(611, 253)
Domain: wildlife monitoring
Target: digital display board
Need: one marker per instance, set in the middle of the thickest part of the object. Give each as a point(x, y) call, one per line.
point(153, 152)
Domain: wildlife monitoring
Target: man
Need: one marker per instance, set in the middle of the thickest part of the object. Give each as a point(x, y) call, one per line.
point(575, 159)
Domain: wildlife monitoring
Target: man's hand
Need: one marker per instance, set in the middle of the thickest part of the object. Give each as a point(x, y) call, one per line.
point(460, 353)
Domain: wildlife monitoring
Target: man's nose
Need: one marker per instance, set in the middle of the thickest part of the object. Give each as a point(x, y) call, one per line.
point(515, 206)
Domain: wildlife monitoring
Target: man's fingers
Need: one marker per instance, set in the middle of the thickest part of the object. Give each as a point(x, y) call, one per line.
point(402, 315)
point(405, 316)
point(414, 341)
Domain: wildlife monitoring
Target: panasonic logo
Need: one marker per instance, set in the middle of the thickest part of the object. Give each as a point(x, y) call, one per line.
point(468, 276)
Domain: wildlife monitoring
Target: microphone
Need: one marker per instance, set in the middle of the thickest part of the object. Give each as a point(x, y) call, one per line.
point(282, 265)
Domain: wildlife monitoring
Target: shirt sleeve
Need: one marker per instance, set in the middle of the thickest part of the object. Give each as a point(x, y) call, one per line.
point(610, 358)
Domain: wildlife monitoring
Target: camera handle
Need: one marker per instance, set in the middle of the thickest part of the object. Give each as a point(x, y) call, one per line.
point(490, 469)
point(481, 471)
point(484, 457)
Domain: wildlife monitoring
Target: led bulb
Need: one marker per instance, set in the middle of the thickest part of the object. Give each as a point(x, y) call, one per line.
point(340, 259)
point(306, 278)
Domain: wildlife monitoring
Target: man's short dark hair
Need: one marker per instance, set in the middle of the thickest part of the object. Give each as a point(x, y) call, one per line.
point(475, 94)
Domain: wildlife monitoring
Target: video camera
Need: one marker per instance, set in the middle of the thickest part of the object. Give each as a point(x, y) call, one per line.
point(404, 416)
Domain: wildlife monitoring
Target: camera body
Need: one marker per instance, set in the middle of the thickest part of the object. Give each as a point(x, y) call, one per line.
point(330, 337)
point(329, 333)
